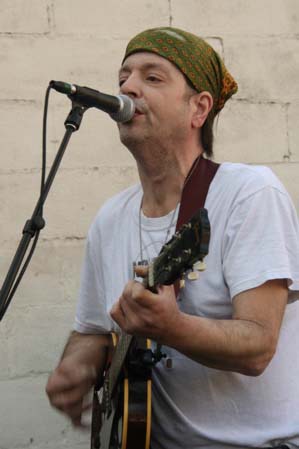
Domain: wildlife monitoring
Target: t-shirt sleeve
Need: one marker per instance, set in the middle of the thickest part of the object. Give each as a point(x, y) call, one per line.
point(91, 314)
point(261, 242)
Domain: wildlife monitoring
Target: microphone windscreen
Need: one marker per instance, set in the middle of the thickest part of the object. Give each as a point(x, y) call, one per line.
point(126, 111)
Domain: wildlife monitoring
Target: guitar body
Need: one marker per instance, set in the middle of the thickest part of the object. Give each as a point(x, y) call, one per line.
point(123, 421)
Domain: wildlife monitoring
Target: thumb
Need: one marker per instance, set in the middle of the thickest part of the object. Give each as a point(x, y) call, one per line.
point(141, 270)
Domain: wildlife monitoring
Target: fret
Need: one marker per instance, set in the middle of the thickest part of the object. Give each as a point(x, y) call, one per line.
point(119, 356)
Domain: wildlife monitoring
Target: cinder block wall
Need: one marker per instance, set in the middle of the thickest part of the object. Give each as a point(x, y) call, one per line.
point(83, 42)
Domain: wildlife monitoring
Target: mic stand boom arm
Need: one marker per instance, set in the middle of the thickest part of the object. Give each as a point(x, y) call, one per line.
point(36, 222)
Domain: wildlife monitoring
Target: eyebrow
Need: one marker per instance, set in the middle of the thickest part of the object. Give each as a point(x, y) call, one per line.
point(146, 66)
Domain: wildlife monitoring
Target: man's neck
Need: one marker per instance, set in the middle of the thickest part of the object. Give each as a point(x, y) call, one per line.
point(163, 182)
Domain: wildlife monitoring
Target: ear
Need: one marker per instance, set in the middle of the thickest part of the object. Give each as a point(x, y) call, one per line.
point(202, 104)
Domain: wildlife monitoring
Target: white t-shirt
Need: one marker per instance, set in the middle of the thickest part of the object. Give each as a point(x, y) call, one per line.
point(254, 238)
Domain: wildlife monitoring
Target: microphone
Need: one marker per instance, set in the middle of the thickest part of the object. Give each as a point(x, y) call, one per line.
point(121, 108)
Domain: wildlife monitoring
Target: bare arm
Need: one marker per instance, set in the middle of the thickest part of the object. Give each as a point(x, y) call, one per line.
point(82, 363)
point(245, 344)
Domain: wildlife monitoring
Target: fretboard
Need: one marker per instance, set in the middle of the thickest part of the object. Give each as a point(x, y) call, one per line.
point(118, 359)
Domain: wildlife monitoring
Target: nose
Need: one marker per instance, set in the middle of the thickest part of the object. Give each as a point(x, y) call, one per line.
point(131, 86)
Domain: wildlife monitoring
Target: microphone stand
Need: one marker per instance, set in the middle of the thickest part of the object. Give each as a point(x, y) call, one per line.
point(36, 222)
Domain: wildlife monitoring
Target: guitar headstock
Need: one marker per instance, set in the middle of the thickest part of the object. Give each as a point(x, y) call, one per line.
point(187, 247)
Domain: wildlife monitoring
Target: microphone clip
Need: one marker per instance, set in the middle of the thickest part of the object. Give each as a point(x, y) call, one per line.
point(75, 116)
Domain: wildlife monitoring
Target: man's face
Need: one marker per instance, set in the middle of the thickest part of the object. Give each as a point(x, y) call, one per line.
point(159, 91)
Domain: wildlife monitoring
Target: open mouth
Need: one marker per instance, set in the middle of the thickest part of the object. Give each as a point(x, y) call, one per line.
point(138, 113)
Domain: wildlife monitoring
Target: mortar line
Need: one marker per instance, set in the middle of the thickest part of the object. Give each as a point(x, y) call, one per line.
point(88, 34)
point(36, 170)
point(51, 17)
point(170, 13)
point(289, 153)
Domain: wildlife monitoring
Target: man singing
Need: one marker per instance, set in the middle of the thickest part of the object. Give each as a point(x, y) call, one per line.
point(232, 335)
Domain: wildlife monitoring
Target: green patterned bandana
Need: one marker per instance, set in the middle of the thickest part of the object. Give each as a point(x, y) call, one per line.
point(198, 61)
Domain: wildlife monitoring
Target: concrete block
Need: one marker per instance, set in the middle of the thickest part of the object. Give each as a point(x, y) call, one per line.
point(96, 142)
point(21, 16)
point(36, 336)
point(52, 278)
point(27, 419)
point(251, 133)
point(212, 17)
point(293, 123)
point(288, 173)
point(266, 69)
point(71, 205)
point(111, 19)
point(4, 353)
point(78, 440)
point(31, 62)
point(21, 149)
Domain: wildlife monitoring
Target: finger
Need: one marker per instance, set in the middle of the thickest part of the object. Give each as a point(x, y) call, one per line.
point(64, 401)
point(69, 398)
point(131, 303)
point(141, 270)
point(65, 379)
point(77, 422)
point(76, 411)
point(129, 288)
point(58, 383)
point(133, 292)
point(165, 289)
point(114, 309)
point(125, 314)
point(117, 314)
point(75, 415)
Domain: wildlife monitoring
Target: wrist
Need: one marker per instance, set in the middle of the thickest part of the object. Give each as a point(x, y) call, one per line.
point(176, 330)
point(88, 350)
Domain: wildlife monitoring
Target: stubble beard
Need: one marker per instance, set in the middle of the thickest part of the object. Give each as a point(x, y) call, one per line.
point(135, 139)
point(151, 144)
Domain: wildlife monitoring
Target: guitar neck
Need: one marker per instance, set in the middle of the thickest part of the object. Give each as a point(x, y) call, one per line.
point(118, 359)
point(120, 353)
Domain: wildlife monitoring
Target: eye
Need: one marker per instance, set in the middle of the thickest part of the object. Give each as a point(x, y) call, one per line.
point(121, 82)
point(153, 78)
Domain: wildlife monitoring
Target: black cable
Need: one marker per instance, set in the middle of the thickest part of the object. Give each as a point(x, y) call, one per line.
point(43, 177)
point(43, 174)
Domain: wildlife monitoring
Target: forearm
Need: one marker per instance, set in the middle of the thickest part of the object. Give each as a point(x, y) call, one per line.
point(81, 365)
point(88, 349)
point(233, 345)
point(245, 343)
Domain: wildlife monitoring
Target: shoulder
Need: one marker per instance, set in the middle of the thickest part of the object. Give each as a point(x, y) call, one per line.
point(241, 181)
point(257, 176)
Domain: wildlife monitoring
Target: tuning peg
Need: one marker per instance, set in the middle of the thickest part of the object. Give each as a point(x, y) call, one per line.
point(182, 283)
point(187, 252)
point(199, 266)
point(193, 275)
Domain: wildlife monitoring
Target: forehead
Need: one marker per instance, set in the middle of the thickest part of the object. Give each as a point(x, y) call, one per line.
point(144, 59)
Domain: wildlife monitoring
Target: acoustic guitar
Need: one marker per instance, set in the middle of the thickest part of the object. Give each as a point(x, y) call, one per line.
point(121, 415)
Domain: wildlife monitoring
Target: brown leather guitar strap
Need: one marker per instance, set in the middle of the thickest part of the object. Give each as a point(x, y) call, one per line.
point(195, 191)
